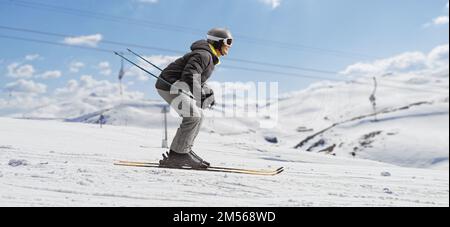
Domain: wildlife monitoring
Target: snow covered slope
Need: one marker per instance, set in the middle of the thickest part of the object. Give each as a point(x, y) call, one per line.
point(411, 129)
point(50, 163)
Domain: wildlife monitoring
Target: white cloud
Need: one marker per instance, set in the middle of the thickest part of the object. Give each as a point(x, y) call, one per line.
point(438, 57)
point(88, 87)
point(20, 103)
point(26, 86)
point(159, 60)
point(272, 3)
point(89, 40)
point(435, 60)
point(71, 87)
point(76, 66)
point(15, 70)
point(397, 63)
point(76, 98)
point(32, 57)
point(87, 81)
point(442, 20)
point(105, 68)
point(438, 21)
point(50, 75)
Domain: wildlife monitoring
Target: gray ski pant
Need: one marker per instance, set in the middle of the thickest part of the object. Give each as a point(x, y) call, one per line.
point(192, 120)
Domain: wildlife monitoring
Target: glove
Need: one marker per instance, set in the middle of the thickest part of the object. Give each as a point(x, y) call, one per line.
point(207, 100)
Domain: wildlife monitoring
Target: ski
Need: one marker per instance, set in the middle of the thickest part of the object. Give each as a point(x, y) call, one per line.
point(210, 169)
point(205, 170)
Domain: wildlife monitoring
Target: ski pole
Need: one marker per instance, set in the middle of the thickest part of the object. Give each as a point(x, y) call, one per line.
point(142, 58)
point(158, 78)
point(139, 56)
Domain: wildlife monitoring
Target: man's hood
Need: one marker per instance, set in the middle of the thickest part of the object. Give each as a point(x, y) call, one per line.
point(204, 45)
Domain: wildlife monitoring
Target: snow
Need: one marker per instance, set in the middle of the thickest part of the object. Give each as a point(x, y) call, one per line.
point(416, 136)
point(57, 155)
point(71, 164)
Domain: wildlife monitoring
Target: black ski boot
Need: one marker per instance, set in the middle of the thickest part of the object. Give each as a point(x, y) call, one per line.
point(200, 159)
point(177, 160)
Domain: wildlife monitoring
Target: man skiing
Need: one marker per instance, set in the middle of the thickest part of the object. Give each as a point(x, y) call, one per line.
point(190, 74)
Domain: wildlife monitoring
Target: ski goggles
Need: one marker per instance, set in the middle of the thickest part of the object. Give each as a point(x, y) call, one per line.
point(228, 41)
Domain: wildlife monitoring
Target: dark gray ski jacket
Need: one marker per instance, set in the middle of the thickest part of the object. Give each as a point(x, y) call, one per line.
point(201, 61)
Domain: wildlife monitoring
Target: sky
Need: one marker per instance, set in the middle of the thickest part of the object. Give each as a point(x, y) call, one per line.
point(54, 47)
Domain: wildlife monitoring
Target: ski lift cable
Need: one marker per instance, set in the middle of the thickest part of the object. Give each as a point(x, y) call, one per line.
point(224, 66)
point(123, 44)
point(177, 28)
point(153, 75)
point(111, 51)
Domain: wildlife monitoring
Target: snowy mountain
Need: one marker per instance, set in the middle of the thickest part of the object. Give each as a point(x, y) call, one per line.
point(412, 112)
point(411, 128)
point(338, 148)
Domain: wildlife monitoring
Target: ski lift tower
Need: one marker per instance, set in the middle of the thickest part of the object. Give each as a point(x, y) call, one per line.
point(373, 99)
point(165, 110)
point(121, 75)
point(9, 95)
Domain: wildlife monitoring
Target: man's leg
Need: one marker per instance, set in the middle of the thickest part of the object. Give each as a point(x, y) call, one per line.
point(191, 124)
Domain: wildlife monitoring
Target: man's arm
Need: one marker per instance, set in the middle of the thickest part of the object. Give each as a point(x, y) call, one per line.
point(192, 74)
